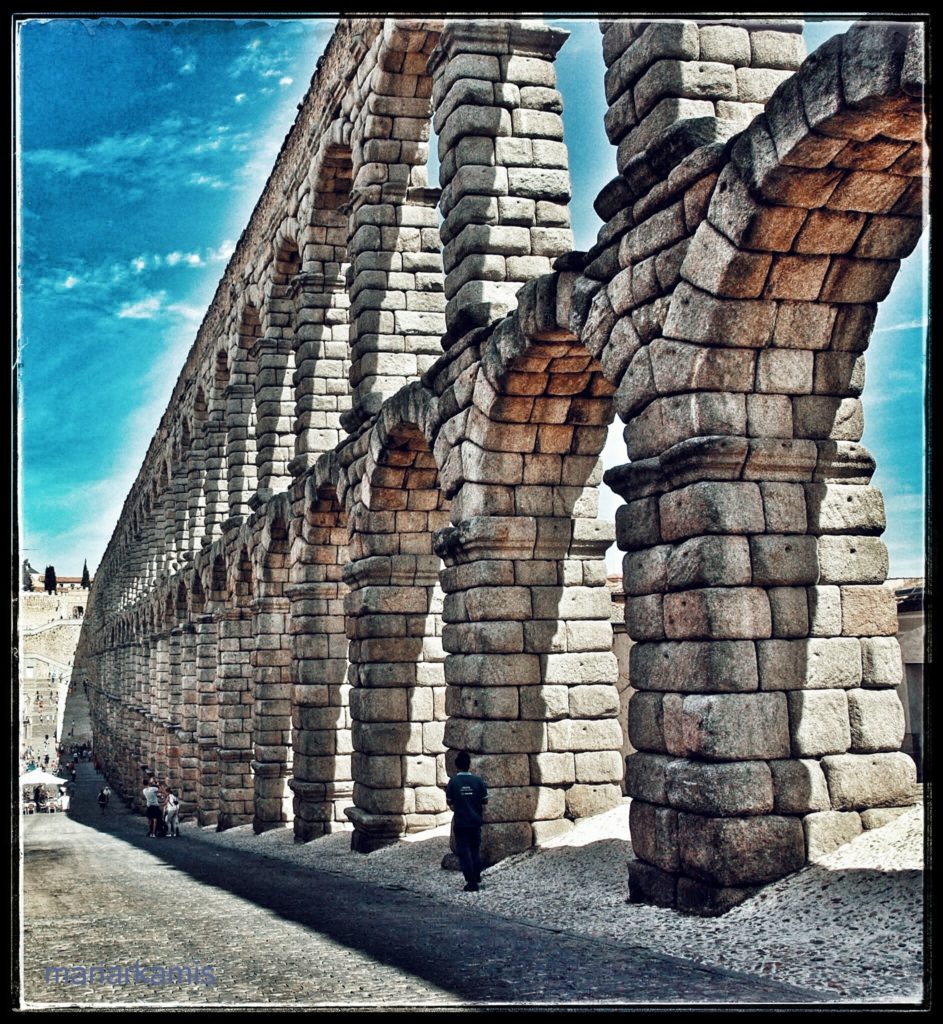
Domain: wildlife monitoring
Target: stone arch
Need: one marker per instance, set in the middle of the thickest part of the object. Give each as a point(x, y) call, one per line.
point(181, 455)
point(504, 219)
point(166, 539)
point(273, 666)
point(531, 675)
point(275, 365)
point(155, 529)
point(241, 413)
point(322, 781)
point(320, 303)
point(235, 693)
point(394, 621)
point(216, 471)
point(393, 245)
point(751, 528)
point(207, 617)
point(198, 456)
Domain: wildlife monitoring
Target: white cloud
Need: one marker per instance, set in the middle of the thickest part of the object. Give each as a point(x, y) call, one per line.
point(905, 504)
point(145, 309)
point(240, 97)
point(206, 180)
point(221, 254)
point(187, 68)
point(139, 264)
point(70, 282)
point(173, 258)
point(191, 315)
point(903, 325)
point(60, 161)
point(285, 80)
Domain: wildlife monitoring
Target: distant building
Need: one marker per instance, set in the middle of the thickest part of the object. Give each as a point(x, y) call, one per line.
point(911, 636)
point(68, 582)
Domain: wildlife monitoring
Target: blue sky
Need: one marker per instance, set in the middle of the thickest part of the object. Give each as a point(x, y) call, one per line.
point(143, 147)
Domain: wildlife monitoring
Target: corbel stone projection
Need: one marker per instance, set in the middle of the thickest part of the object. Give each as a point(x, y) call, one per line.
point(406, 561)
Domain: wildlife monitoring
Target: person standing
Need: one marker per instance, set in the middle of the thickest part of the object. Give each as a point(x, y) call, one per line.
point(103, 795)
point(466, 795)
point(172, 814)
point(152, 808)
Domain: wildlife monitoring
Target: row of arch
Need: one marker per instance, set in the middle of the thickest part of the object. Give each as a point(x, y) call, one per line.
point(436, 581)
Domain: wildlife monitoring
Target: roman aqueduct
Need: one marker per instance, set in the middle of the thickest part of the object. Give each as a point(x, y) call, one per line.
point(365, 534)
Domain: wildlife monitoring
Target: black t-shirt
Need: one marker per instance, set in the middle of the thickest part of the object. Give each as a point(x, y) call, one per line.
point(467, 793)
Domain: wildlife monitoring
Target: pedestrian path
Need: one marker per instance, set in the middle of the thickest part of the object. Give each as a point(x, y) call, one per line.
point(98, 894)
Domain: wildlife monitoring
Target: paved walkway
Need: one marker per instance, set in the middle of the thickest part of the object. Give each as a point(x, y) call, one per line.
point(99, 894)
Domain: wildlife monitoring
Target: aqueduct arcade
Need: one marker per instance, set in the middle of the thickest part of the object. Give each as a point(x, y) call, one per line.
point(365, 534)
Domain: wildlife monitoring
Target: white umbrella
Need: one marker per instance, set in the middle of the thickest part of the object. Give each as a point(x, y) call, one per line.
point(38, 777)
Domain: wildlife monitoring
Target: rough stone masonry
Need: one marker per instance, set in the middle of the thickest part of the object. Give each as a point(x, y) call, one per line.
point(364, 535)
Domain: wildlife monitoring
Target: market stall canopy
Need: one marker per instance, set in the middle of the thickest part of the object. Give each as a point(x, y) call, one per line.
point(38, 777)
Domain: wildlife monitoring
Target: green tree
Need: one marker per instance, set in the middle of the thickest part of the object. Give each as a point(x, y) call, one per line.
point(86, 582)
point(50, 583)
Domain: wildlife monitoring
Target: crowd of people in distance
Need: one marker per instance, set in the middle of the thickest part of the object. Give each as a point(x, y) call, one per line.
point(54, 761)
point(162, 804)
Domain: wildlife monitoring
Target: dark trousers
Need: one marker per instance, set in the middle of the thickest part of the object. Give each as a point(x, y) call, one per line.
point(467, 846)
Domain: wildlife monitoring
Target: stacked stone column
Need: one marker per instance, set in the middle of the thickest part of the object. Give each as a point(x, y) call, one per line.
point(160, 706)
point(672, 86)
point(172, 721)
point(274, 360)
point(271, 720)
point(207, 724)
point(180, 488)
point(196, 494)
point(139, 753)
point(765, 717)
point(234, 696)
point(216, 482)
point(503, 170)
point(321, 351)
point(396, 305)
point(168, 504)
point(531, 678)
point(322, 782)
point(240, 446)
point(394, 624)
point(188, 779)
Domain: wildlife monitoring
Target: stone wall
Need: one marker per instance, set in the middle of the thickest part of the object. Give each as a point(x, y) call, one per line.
point(365, 534)
point(39, 609)
point(57, 641)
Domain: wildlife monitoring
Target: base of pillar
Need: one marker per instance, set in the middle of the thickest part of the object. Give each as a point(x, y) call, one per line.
point(648, 884)
point(306, 831)
point(374, 831)
point(205, 818)
point(259, 826)
point(227, 820)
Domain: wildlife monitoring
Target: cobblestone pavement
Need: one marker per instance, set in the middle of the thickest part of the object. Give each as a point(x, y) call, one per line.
point(98, 892)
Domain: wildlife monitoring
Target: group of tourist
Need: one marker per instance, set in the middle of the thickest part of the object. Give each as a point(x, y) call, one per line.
point(162, 808)
point(43, 802)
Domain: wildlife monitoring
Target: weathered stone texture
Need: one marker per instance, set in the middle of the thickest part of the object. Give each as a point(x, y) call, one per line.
point(365, 535)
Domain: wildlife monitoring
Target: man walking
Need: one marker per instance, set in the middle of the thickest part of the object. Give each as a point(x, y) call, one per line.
point(466, 795)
